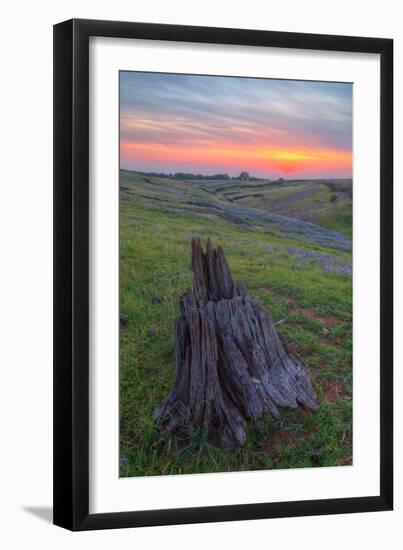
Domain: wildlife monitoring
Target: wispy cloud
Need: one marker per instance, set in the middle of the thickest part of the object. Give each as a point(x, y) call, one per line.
point(268, 127)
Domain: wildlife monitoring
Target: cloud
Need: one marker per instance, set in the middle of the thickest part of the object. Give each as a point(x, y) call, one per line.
point(198, 113)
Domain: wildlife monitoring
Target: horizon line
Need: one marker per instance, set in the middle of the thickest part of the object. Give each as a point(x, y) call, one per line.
point(250, 175)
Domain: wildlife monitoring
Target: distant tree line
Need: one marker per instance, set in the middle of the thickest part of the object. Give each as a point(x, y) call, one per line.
point(185, 175)
point(189, 176)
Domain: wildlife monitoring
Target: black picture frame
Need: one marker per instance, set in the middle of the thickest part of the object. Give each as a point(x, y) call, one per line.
point(71, 274)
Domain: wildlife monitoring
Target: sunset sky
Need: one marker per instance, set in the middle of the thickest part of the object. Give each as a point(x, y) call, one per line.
point(208, 125)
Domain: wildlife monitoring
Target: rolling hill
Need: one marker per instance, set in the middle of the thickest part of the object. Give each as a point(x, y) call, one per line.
point(324, 202)
point(315, 211)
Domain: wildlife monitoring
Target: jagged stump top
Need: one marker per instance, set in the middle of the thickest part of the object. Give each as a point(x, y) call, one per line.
point(212, 279)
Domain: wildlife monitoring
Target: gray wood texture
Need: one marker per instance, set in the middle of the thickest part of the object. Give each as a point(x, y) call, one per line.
point(232, 366)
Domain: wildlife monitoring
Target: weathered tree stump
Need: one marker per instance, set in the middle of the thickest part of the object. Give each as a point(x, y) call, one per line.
point(231, 364)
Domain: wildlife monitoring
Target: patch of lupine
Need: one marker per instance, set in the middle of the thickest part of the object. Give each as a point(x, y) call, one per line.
point(191, 203)
point(276, 224)
point(326, 262)
point(292, 228)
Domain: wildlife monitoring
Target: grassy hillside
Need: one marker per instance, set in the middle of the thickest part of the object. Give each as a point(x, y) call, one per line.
point(324, 202)
point(300, 271)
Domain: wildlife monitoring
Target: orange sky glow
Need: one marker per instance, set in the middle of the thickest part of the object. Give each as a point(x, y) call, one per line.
point(261, 158)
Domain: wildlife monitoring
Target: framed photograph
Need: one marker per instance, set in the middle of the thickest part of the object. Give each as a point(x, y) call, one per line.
point(223, 320)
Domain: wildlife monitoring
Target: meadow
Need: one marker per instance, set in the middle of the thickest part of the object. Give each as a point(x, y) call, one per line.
point(289, 243)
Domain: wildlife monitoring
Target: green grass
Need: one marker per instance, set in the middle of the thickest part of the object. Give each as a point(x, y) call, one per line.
point(328, 205)
point(315, 313)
